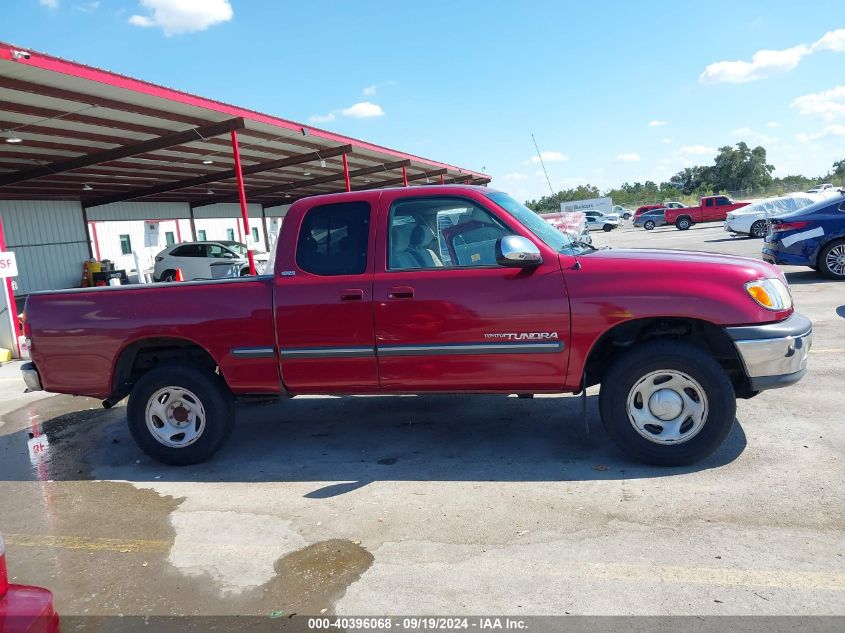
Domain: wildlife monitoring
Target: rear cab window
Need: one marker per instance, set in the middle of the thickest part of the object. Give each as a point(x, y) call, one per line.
point(334, 238)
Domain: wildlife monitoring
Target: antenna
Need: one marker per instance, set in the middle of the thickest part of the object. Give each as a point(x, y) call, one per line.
point(540, 156)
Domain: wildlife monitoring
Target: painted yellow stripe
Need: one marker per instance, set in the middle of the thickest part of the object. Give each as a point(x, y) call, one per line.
point(673, 574)
point(91, 544)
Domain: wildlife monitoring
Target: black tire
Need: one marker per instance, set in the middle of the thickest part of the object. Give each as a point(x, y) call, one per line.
point(683, 223)
point(607, 228)
point(641, 361)
point(212, 394)
point(649, 225)
point(824, 267)
point(759, 229)
point(168, 275)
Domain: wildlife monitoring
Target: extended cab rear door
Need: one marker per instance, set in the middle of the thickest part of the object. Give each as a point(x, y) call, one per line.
point(447, 316)
point(323, 295)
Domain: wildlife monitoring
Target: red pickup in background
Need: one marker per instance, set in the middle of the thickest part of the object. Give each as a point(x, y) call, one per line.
point(710, 209)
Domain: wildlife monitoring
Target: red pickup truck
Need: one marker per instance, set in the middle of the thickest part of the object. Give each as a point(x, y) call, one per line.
point(431, 289)
point(710, 209)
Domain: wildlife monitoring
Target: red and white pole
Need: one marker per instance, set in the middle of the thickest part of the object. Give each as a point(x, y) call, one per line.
point(10, 301)
point(404, 176)
point(236, 154)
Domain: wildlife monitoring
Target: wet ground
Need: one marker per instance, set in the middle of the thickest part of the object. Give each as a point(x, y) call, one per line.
point(475, 504)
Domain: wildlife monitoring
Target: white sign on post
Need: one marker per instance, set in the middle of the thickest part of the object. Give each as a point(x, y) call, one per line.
point(8, 265)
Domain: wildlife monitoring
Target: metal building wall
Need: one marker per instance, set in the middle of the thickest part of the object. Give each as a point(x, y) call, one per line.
point(50, 241)
point(140, 211)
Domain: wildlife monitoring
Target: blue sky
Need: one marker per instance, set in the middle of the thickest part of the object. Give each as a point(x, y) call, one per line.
point(613, 91)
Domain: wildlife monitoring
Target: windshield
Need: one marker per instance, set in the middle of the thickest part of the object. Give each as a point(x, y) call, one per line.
point(533, 222)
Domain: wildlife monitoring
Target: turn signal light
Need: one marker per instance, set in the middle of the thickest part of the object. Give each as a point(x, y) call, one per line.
point(771, 294)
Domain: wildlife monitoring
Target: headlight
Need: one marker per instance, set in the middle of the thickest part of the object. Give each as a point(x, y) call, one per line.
point(771, 294)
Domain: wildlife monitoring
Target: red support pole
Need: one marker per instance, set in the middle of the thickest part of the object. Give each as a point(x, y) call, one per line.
point(346, 173)
point(236, 154)
point(10, 301)
point(442, 180)
point(469, 180)
point(93, 226)
point(404, 176)
point(178, 232)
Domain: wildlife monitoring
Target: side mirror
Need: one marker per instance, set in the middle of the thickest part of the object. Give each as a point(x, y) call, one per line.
point(516, 251)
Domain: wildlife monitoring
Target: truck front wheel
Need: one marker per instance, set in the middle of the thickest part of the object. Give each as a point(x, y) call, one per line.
point(180, 415)
point(667, 403)
point(683, 223)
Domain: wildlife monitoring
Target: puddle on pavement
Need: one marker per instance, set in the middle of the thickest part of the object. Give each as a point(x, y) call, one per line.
point(103, 547)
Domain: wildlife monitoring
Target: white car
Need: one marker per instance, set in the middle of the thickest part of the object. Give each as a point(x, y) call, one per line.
point(822, 188)
point(206, 260)
point(753, 219)
point(597, 220)
point(674, 205)
point(622, 212)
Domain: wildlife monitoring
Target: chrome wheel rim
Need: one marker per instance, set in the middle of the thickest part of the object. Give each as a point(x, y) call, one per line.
point(175, 417)
point(835, 260)
point(667, 407)
point(758, 230)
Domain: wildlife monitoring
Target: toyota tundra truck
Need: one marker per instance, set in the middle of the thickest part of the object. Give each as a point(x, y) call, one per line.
point(710, 209)
point(431, 289)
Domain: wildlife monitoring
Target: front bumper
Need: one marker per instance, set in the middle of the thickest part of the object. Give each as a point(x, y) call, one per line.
point(775, 354)
point(31, 377)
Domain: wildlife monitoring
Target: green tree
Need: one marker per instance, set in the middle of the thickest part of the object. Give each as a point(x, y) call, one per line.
point(740, 168)
point(839, 169)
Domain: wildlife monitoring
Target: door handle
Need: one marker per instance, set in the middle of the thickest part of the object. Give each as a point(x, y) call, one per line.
point(352, 294)
point(400, 292)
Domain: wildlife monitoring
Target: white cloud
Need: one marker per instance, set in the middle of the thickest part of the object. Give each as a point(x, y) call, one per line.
point(657, 123)
point(766, 63)
point(747, 134)
point(88, 7)
point(52, 4)
point(515, 176)
point(828, 103)
point(548, 157)
point(363, 110)
point(631, 157)
point(831, 41)
point(183, 16)
point(830, 130)
point(369, 91)
point(697, 150)
point(772, 124)
point(668, 141)
point(763, 64)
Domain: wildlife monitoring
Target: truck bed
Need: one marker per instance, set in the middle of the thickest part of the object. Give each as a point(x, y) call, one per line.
point(78, 335)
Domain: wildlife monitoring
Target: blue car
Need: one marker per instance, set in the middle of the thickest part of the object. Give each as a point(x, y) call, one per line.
point(813, 236)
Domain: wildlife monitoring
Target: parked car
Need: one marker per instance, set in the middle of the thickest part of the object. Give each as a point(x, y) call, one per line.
point(651, 219)
point(205, 260)
point(622, 212)
point(598, 221)
point(571, 223)
point(24, 609)
point(813, 236)
point(822, 188)
point(363, 301)
point(674, 205)
point(754, 219)
point(647, 207)
point(710, 209)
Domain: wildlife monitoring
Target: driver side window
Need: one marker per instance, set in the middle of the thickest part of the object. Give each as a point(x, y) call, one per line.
point(427, 233)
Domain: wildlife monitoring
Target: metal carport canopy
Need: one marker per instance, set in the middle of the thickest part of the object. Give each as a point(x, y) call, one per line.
point(73, 132)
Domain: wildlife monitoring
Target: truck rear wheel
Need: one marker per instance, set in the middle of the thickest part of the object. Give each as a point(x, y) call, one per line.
point(180, 415)
point(683, 223)
point(667, 403)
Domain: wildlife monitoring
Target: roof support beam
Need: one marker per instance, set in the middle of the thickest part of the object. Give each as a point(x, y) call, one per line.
point(221, 175)
point(125, 151)
point(307, 183)
point(404, 181)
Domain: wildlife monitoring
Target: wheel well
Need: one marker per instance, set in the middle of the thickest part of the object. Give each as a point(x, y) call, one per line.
point(139, 357)
point(703, 334)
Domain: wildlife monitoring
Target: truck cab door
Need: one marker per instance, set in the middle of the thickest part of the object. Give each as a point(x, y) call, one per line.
point(323, 297)
point(447, 316)
point(709, 212)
